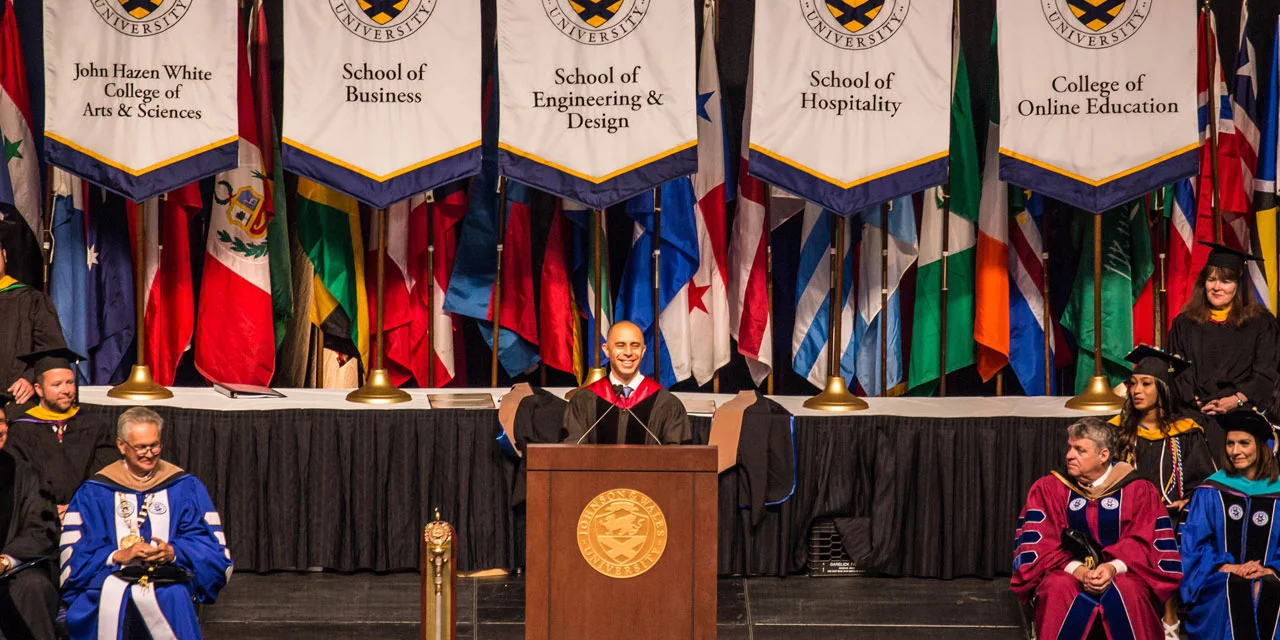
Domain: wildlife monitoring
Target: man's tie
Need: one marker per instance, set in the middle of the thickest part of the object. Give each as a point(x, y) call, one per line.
point(626, 392)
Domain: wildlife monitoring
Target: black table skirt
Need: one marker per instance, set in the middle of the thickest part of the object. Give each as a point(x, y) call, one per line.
point(351, 489)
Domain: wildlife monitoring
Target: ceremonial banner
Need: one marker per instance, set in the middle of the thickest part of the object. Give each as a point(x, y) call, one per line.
point(857, 112)
point(140, 95)
point(382, 99)
point(598, 97)
point(1097, 99)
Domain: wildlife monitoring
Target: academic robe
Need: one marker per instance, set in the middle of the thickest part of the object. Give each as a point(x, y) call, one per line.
point(1225, 360)
point(1127, 519)
point(86, 445)
point(180, 513)
point(28, 532)
point(1231, 520)
point(1177, 462)
point(619, 420)
point(755, 437)
point(29, 324)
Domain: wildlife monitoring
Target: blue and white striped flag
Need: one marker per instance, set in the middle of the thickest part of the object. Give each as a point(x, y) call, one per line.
point(872, 319)
point(813, 297)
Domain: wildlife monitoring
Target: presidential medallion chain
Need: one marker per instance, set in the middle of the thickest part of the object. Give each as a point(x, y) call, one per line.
point(134, 523)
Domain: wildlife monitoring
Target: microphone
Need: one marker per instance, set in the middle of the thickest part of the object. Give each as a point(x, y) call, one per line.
point(645, 426)
point(593, 424)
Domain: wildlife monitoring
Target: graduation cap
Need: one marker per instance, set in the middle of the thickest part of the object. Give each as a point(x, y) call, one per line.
point(50, 359)
point(10, 235)
point(1224, 256)
point(1150, 361)
point(1250, 422)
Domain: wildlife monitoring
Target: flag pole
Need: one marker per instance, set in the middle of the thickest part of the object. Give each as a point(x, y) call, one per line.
point(944, 191)
point(497, 282)
point(378, 388)
point(1097, 396)
point(46, 243)
point(1162, 252)
point(835, 396)
point(1048, 314)
point(597, 371)
point(431, 293)
point(140, 386)
point(657, 283)
point(1211, 64)
point(884, 297)
point(768, 276)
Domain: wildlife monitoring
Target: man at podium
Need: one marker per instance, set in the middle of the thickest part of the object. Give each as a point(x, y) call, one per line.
point(626, 407)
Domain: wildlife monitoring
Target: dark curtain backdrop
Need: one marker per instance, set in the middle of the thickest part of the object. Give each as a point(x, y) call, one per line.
point(351, 489)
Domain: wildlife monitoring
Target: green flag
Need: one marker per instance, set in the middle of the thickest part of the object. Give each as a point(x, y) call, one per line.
point(278, 248)
point(1126, 267)
point(965, 185)
point(329, 232)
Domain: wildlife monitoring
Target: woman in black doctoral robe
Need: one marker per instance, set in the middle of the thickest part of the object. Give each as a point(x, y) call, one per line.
point(1229, 339)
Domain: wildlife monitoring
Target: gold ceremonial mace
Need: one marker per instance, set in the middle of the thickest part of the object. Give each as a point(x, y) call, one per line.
point(597, 371)
point(1097, 396)
point(140, 387)
point(836, 396)
point(378, 388)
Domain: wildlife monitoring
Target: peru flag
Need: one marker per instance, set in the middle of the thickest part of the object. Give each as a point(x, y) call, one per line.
point(170, 306)
point(750, 321)
point(235, 339)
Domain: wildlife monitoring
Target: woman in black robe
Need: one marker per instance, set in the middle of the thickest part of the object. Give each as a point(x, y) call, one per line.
point(1229, 339)
point(1166, 447)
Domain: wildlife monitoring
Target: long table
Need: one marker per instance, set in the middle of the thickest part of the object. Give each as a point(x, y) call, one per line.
point(920, 487)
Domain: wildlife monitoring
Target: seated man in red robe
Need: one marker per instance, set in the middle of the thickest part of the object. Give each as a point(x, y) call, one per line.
point(1095, 546)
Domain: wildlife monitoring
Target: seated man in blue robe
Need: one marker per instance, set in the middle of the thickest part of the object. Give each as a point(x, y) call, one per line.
point(141, 544)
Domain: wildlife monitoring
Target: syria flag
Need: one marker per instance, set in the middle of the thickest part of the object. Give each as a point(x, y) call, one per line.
point(170, 306)
point(235, 341)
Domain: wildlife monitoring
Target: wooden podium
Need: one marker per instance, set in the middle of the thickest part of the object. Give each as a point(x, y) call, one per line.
point(621, 542)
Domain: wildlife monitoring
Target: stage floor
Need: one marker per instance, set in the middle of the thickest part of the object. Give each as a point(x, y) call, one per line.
point(310, 606)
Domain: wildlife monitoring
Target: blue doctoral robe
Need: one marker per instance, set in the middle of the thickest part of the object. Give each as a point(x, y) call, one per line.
point(181, 514)
point(1231, 520)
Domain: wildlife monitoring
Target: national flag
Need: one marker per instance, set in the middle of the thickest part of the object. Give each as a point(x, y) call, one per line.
point(748, 273)
point(68, 264)
point(16, 133)
point(810, 337)
point(1126, 267)
point(1247, 138)
point(7, 206)
point(707, 316)
point(109, 296)
point(1180, 207)
point(276, 204)
point(169, 300)
point(965, 186)
point(582, 222)
point(559, 344)
point(329, 232)
point(1027, 317)
point(874, 315)
point(678, 262)
point(398, 281)
point(445, 207)
point(991, 286)
point(1264, 184)
point(236, 340)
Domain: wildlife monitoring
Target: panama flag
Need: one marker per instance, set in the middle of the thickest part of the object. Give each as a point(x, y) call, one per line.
point(1027, 319)
point(874, 315)
point(235, 341)
point(15, 123)
point(750, 322)
point(707, 296)
point(810, 337)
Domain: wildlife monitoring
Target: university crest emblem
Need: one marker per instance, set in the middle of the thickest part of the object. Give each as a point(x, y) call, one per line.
point(141, 18)
point(596, 21)
point(382, 20)
point(622, 533)
point(596, 12)
point(383, 11)
point(140, 9)
point(1096, 24)
point(1095, 14)
point(855, 15)
point(855, 24)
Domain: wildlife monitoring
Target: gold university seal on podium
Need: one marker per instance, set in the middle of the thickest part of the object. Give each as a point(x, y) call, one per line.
point(622, 533)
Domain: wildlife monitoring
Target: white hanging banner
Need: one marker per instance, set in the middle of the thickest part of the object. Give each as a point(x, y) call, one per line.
point(382, 98)
point(140, 95)
point(857, 111)
point(1097, 97)
point(598, 98)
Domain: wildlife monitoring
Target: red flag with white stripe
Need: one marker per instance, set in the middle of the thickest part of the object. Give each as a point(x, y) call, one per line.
point(235, 340)
point(169, 302)
point(750, 322)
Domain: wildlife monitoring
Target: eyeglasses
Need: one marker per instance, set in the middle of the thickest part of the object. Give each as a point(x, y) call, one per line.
point(145, 449)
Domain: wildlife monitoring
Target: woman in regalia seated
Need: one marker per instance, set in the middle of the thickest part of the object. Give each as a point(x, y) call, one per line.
point(1229, 541)
point(1166, 447)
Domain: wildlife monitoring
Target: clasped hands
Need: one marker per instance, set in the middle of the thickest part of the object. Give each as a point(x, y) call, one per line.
point(1250, 570)
point(156, 552)
point(1222, 405)
point(1096, 580)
